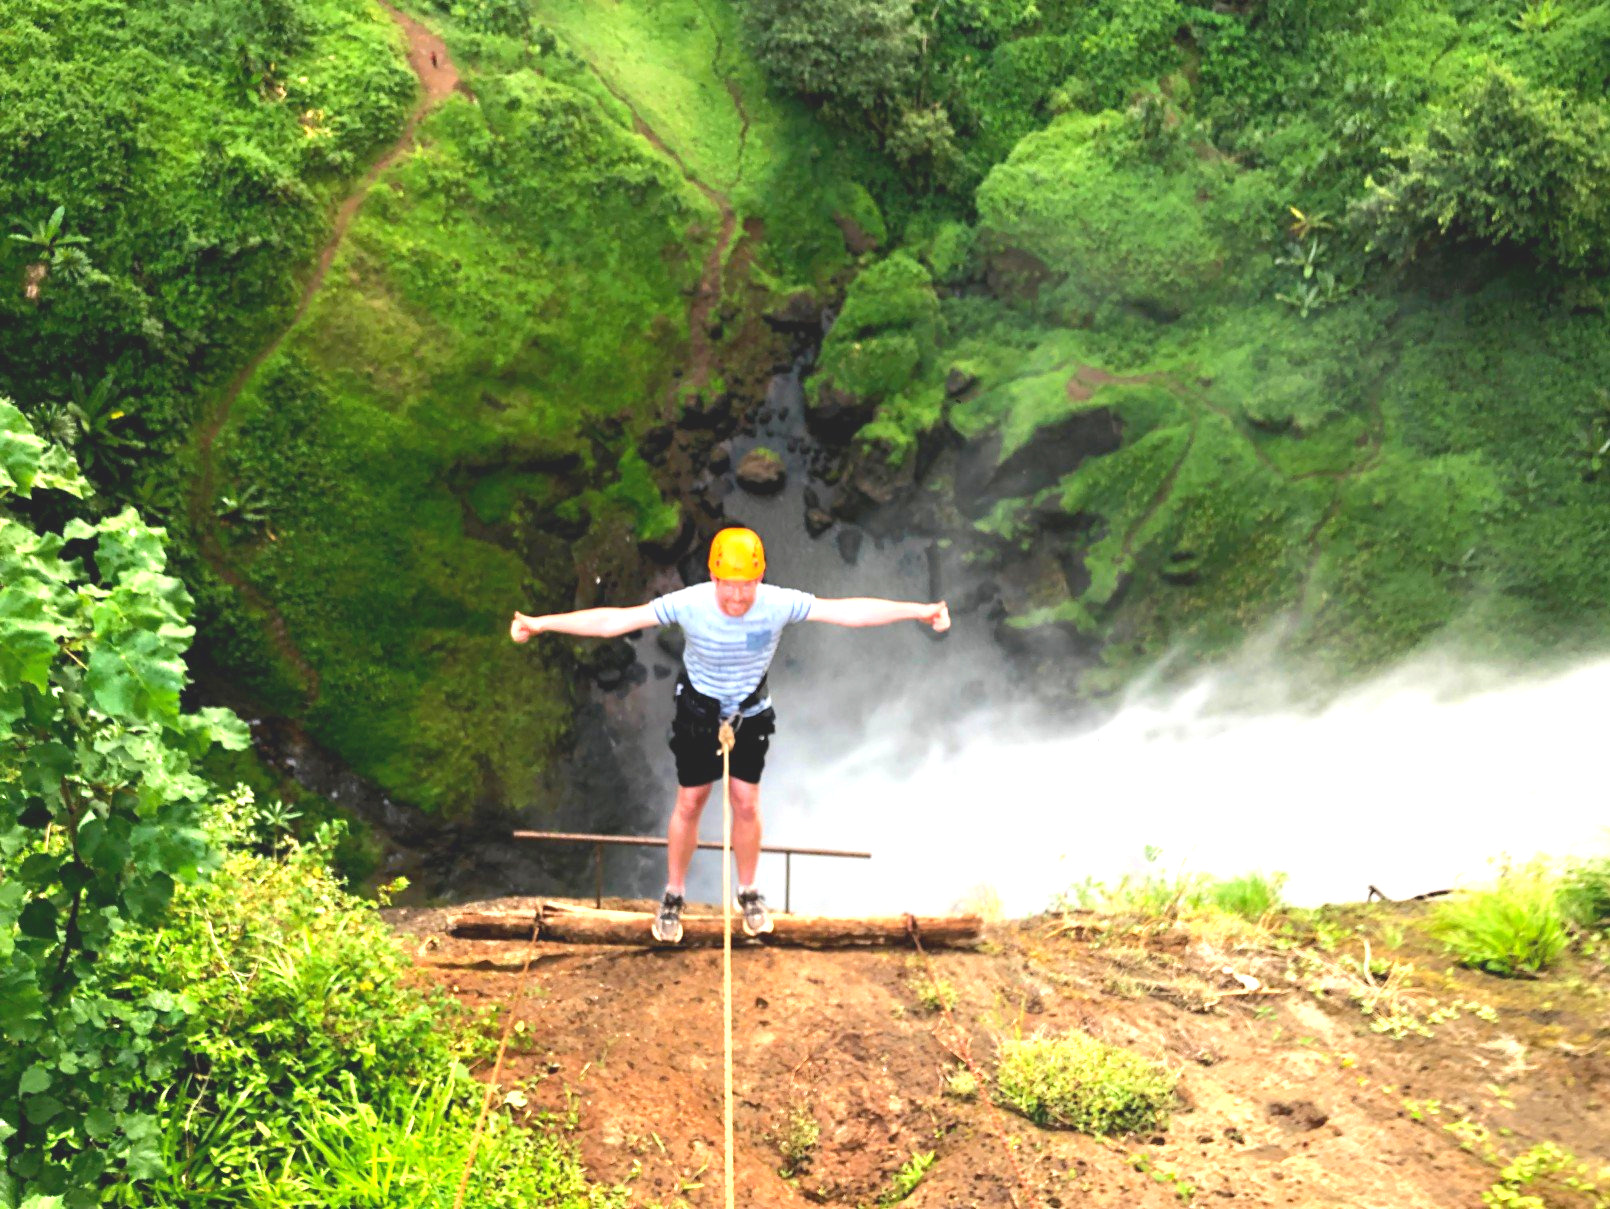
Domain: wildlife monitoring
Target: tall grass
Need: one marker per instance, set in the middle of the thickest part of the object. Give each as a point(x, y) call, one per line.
point(1585, 893)
point(317, 1074)
point(1514, 927)
point(1156, 893)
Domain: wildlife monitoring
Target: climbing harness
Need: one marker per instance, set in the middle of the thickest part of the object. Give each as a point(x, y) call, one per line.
point(726, 737)
point(497, 1065)
point(960, 1047)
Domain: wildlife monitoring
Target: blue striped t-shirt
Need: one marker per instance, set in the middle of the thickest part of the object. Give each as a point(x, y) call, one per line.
point(726, 657)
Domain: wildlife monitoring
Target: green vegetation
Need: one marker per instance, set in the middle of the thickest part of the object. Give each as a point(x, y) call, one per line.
point(796, 1140)
point(312, 1070)
point(1157, 894)
point(1515, 926)
point(196, 1013)
point(905, 1180)
point(1548, 1174)
point(166, 172)
point(1074, 1081)
point(1585, 893)
point(99, 802)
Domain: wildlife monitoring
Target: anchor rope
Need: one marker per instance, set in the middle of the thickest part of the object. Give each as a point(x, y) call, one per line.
point(726, 738)
point(497, 1065)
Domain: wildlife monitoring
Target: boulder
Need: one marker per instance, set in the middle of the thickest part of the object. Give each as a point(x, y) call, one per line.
point(836, 415)
point(798, 313)
point(666, 550)
point(958, 382)
point(762, 472)
point(849, 541)
point(818, 521)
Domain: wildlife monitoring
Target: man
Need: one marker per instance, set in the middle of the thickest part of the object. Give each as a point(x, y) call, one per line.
point(733, 625)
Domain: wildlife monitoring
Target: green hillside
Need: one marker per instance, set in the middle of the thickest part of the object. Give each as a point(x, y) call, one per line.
point(1328, 277)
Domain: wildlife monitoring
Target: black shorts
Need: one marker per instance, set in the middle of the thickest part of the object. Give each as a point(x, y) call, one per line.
point(697, 750)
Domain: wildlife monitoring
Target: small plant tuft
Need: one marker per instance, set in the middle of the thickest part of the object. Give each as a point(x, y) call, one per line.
point(796, 1140)
point(907, 1178)
point(1076, 1082)
point(1515, 927)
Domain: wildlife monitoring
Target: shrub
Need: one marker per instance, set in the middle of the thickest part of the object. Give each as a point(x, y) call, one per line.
point(314, 1071)
point(1252, 896)
point(1515, 926)
point(855, 55)
point(1585, 893)
point(1077, 1082)
point(1513, 163)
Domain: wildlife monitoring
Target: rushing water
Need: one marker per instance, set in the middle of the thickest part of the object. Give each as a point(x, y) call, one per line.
point(1414, 782)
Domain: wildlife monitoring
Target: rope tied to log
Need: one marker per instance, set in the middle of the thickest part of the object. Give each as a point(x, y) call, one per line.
point(726, 737)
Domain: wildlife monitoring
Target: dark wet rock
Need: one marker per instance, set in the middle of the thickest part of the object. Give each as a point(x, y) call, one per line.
point(836, 415)
point(670, 639)
point(762, 472)
point(637, 674)
point(706, 409)
point(608, 662)
point(799, 313)
point(1011, 273)
point(856, 239)
point(958, 382)
point(655, 443)
point(872, 481)
point(666, 550)
point(817, 521)
point(720, 459)
point(1055, 450)
point(813, 498)
point(849, 541)
point(662, 672)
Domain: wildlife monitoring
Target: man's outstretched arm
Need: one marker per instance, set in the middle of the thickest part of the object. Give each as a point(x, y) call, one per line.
point(869, 610)
point(585, 623)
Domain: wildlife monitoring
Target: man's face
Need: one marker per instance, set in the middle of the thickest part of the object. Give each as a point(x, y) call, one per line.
point(735, 596)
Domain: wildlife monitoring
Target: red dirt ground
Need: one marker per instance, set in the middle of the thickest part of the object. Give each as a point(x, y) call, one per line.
point(1286, 1096)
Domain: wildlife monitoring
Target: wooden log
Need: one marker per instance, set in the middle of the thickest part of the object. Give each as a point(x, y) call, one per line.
point(566, 924)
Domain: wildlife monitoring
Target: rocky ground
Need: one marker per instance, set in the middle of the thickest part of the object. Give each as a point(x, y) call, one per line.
point(1290, 1092)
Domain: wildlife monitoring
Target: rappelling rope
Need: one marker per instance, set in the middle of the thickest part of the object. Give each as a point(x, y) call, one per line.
point(960, 1046)
point(726, 737)
point(497, 1065)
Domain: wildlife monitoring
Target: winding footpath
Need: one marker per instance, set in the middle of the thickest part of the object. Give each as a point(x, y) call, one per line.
point(439, 79)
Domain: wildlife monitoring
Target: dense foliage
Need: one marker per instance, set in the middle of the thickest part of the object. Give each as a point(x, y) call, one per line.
point(196, 1013)
point(167, 170)
point(98, 819)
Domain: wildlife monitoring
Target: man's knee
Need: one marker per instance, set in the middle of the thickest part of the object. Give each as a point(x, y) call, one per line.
point(745, 799)
point(690, 801)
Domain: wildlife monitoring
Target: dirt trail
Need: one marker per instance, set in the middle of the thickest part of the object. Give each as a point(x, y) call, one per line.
point(1286, 1095)
point(439, 79)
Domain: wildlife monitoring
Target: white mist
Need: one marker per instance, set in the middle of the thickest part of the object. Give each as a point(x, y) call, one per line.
point(1412, 782)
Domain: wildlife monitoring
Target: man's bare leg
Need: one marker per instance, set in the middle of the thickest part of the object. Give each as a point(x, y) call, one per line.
point(746, 829)
point(682, 836)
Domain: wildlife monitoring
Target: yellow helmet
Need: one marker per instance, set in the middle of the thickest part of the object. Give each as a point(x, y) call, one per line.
point(737, 554)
